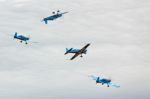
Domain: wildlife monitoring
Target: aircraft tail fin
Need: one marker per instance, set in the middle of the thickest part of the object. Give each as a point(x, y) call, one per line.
point(97, 80)
point(45, 21)
point(15, 36)
point(68, 50)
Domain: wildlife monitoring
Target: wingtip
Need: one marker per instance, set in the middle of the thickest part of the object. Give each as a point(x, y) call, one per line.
point(65, 53)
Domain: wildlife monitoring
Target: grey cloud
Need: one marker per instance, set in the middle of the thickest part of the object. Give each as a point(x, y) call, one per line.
point(118, 31)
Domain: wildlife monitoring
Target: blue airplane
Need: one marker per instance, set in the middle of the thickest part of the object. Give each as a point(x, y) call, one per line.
point(104, 81)
point(77, 51)
point(21, 38)
point(53, 17)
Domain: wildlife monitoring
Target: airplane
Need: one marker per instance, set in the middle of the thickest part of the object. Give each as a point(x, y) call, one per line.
point(104, 81)
point(77, 51)
point(53, 17)
point(21, 38)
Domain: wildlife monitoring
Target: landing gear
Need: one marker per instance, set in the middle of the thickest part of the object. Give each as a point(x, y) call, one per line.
point(58, 12)
point(81, 56)
point(107, 85)
point(26, 43)
point(20, 41)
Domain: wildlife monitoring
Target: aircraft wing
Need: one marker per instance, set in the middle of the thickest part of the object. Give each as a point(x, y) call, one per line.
point(76, 54)
point(114, 85)
point(64, 12)
point(93, 77)
point(82, 49)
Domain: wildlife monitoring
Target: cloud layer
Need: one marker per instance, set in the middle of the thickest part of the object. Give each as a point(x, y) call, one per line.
point(117, 30)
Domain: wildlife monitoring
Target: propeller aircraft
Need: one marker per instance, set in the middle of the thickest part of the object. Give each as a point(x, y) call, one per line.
point(77, 52)
point(21, 38)
point(104, 81)
point(53, 17)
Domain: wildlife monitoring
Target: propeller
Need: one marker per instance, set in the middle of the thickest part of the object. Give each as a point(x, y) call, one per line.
point(15, 35)
point(42, 20)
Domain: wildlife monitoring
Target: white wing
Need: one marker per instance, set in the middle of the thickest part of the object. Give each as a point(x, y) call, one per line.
point(93, 77)
point(114, 85)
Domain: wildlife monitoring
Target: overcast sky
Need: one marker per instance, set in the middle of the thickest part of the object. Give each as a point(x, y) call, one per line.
point(118, 31)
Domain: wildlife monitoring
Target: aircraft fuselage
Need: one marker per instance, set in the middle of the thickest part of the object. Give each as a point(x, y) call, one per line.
point(52, 17)
point(23, 38)
point(77, 51)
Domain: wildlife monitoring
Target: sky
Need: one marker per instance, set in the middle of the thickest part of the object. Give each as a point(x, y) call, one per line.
point(118, 31)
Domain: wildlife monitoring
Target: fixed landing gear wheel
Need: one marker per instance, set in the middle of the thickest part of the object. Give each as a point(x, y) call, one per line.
point(20, 41)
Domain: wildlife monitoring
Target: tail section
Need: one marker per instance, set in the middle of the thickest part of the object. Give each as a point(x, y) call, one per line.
point(97, 80)
point(15, 36)
point(68, 50)
point(45, 21)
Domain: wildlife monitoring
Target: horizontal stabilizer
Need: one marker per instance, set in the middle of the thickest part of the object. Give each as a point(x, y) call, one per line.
point(68, 50)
